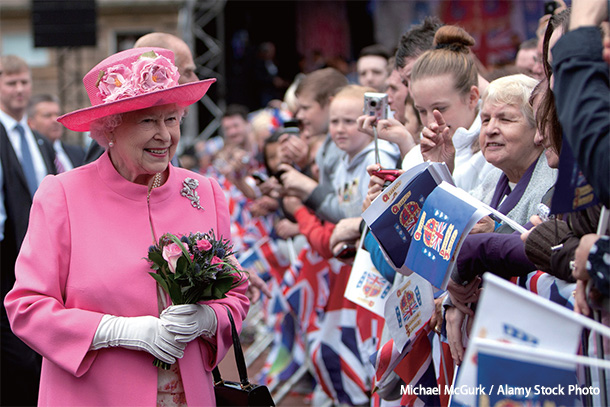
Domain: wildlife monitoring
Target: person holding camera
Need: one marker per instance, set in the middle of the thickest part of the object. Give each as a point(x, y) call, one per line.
point(351, 178)
point(314, 94)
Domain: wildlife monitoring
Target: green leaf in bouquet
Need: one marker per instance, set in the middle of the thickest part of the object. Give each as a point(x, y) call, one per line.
point(207, 291)
point(194, 294)
point(193, 274)
point(175, 293)
point(184, 290)
point(181, 266)
point(156, 257)
point(161, 281)
point(194, 279)
point(224, 283)
point(218, 292)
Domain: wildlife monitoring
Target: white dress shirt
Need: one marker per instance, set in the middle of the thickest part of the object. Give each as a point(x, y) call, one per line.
point(62, 156)
point(15, 138)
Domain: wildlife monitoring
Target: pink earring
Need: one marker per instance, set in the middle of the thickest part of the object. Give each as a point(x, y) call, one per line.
point(111, 144)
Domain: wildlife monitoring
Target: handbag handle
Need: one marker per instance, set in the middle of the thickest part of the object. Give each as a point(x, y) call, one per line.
point(239, 359)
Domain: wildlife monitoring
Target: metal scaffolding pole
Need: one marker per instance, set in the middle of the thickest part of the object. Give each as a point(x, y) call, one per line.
point(198, 19)
point(69, 82)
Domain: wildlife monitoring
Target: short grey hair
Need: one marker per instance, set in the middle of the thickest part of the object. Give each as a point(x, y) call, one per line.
point(103, 125)
point(512, 90)
point(41, 98)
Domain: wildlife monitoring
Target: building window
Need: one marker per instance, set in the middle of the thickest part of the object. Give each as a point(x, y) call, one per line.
point(22, 44)
point(126, 39)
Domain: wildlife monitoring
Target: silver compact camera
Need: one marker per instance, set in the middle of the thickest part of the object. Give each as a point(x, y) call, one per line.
point(376, 104)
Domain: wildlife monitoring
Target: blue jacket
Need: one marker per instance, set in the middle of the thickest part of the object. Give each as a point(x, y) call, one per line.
point(582, 96)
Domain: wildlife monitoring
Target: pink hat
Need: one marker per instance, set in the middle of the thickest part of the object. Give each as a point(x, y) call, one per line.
point(130, 80)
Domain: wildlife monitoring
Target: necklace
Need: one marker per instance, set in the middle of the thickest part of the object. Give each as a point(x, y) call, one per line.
point(156, 181)
point(155, 184)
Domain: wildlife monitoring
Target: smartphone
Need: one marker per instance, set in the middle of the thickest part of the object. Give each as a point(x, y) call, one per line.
point(387, 175)
point(259, 176)
point(293, 131)
point(293, 123)
point(347, 251)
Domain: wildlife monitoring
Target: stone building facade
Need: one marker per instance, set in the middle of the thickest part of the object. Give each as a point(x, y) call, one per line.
point(59, 70)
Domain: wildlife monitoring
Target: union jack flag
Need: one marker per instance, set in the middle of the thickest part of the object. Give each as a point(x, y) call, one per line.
point(425, 361)
point(336, 350)
point(307, 293)
point(287, 352)
point(385, 360)
point(299, 298)
point(427, 364)
point(549, 287)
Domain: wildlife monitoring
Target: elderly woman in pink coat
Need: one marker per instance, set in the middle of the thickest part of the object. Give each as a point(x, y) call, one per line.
point(83, 297)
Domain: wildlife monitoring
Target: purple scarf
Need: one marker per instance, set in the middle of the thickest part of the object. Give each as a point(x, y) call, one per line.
point(514, 196)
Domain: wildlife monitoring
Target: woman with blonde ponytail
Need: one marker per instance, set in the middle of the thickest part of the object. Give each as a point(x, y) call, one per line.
point(444, 85)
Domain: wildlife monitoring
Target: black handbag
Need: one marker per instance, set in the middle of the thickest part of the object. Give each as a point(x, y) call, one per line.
point(243, 393)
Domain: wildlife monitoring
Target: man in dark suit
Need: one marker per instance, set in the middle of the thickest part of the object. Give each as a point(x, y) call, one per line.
point(26, 158)
point(43, 111)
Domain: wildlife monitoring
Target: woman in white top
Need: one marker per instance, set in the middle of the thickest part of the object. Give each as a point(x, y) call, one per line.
point(444, 85)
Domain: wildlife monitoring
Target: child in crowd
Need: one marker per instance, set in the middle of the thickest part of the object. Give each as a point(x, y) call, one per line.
point(351, 178)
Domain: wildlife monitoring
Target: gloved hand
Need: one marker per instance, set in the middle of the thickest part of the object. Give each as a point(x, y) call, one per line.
point(188, 321)
point(145, 333)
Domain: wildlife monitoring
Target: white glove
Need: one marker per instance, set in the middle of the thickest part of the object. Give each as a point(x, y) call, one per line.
point(138, 333)
point(189, 321)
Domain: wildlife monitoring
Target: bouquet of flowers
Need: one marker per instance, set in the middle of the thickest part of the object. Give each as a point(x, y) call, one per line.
point(193, 268)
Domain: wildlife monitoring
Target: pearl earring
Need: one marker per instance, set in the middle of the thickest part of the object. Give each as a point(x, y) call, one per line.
point(111, 144)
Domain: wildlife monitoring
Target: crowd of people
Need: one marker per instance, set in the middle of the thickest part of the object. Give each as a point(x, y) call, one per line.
point(288, 183)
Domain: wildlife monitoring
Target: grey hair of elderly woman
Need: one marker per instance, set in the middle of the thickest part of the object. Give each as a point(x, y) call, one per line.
point(103, 125)
point(99, 128)
point(512, 90)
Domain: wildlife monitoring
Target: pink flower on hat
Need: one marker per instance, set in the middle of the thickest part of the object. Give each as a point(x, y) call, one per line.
point(115, 83)
point(148, 73)
point(152, 74)
point(133, 79)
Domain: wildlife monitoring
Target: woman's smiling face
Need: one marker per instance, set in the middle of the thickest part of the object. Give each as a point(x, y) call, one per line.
point(507, 139)
point(145, 142)
point(438, 93)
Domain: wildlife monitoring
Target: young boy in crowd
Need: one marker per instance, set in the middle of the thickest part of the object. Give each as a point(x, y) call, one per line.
point(351, 178)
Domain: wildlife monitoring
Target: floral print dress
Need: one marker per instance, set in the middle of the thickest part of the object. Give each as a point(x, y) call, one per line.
point(170, 392)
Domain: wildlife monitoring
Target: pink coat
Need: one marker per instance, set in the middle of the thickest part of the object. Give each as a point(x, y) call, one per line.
point(83, 257)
